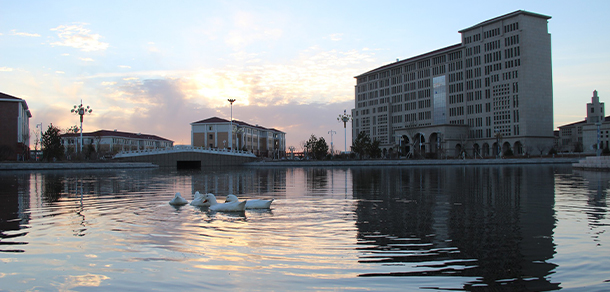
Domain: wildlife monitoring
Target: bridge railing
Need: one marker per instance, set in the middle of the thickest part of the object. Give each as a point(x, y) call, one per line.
point(183, 148)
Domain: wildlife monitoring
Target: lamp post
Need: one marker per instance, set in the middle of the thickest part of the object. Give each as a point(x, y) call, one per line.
point(81, 111)
point(332, 150)
point(345, 118)
point(231, 100)
point(36, 145)
point(498, 139)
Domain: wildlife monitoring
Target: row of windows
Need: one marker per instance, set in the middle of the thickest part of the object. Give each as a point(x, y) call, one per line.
point(423, 64)
point(470, 73)
point(439, 59)
point(476, 94)
point(424, 103)
point(425, 115)
point(474, 38)
point(438, 70)
point(512, 52)
point(511, 27)
point(491, 33)
point(476, 61)
point(511, 40)
point(456, 111)
point(453, 77)
point(510, 75)
point(474, 50)
point(456, 87)
point(455, 66)
point(455, 55)
point(493, 45)
point(493, 57)
point(458, 98)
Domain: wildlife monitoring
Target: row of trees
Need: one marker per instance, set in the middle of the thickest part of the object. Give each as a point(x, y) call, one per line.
point(363, 147)
point(52, 149)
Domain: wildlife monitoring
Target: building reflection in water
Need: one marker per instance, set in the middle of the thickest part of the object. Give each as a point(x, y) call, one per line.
point(597, 183)
point(494, 224)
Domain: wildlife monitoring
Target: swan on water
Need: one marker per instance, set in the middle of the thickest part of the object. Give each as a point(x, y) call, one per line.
point(224, 207)
point(178, 200)
point(251, 204)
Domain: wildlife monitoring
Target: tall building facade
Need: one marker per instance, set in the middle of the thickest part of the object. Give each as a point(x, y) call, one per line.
point(487, 95)
point(14, 128)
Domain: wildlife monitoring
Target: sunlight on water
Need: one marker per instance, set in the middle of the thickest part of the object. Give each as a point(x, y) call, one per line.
point(457, 228)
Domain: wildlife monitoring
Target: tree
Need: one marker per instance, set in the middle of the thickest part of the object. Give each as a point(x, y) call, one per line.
point(51, 144)
point(316, 147)
point(360, 144)
point(320, 148)
point(373, 150)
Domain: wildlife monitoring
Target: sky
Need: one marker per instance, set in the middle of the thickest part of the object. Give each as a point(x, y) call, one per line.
point(154, 67)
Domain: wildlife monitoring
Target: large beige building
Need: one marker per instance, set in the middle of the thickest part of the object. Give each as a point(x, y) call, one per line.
point(214, 133)
point(491, 93)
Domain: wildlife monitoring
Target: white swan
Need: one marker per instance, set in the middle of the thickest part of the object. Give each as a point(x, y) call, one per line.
point(251, 204)
point(199, 200)
point(178, 200)
point(224, 207)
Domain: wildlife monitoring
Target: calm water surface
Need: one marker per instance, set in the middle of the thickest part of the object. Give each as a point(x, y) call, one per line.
point(364, 229)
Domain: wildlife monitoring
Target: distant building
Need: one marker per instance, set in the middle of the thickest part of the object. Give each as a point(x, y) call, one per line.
point(491, 93)
point(112, 142)
point(214, 133)
point(14, 128)
point(582, 136)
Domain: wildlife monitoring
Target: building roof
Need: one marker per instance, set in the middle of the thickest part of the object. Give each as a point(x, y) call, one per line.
point(10, 98)
point(115, 133)
point(217, 120)
point(412, 59)
point(505, 16)
point(606, 119)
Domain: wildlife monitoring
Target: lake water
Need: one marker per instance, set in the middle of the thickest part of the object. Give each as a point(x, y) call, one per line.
point(505, 228)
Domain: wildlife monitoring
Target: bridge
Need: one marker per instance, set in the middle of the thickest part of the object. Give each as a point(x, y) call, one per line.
point(187, 157)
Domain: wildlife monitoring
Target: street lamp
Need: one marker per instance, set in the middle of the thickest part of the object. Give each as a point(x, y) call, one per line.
point(36, 145)
point(345, 118)
point(231, 100)
point(332, 151)
point(81, 111)
point(498, 139)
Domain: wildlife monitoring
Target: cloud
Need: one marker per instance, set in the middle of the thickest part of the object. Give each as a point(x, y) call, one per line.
point(76, 36)
point(156, 106)
point(335, 36)
point(60, 72)
point(166, 107)
point(14, 32)
point(315, 77)
point(6, 69)
point(86, 59)
point(124, 67)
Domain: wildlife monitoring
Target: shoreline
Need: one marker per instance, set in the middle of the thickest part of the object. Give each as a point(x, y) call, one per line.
point(423, 162)
point(8, 166)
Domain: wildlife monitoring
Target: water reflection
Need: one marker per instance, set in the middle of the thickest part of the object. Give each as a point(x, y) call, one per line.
point(492, 223)
point(597, 184)
point(466, 228)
